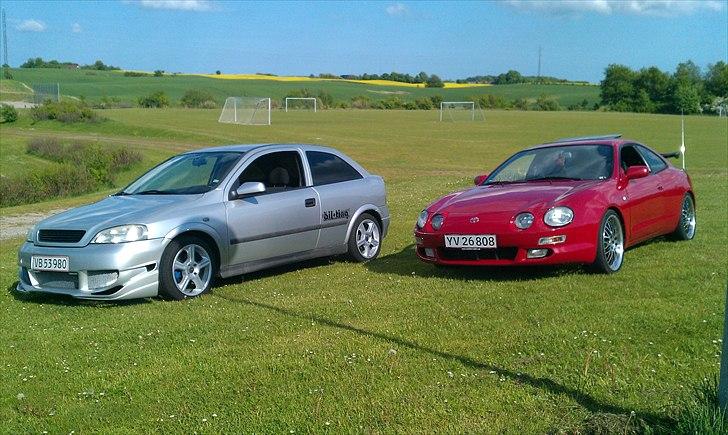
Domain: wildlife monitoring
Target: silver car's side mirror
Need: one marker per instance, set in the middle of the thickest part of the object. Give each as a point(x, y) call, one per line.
point(249, 188)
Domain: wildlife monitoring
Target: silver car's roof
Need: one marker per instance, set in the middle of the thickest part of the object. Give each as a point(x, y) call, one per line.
point(245, 148)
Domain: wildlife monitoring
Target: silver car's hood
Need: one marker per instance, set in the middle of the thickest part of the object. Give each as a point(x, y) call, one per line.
point(120, 210)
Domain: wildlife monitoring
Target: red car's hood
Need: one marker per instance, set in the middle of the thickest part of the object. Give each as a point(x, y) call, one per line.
point(511, 197)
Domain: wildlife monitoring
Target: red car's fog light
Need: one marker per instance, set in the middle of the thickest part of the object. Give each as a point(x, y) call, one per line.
point(537, 253)
point(553, 240)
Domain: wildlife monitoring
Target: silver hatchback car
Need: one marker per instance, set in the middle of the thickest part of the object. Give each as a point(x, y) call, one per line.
point(220, 211)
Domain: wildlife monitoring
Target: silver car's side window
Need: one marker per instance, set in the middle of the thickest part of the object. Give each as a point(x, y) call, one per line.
point(327, 168)
point(278, 171)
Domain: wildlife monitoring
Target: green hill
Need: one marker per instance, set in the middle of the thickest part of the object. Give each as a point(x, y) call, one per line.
point(93, 85)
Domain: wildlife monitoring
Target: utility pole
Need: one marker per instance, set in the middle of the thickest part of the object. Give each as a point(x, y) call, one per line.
point(539, 63)
point(5, 39)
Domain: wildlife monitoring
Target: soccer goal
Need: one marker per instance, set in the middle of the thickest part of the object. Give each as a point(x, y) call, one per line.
point(300, 103)
point(246, 111)
point(460, 111)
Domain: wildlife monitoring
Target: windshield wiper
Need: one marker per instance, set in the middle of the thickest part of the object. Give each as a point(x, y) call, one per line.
point(153, 192)
point(551, 178)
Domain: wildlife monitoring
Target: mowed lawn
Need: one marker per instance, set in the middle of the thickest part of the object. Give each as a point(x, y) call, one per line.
point(393, 345)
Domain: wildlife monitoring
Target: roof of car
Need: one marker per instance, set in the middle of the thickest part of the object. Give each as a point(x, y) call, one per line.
point(586, 141)
point(245, 148)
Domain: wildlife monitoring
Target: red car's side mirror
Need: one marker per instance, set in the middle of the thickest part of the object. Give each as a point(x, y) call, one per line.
point(635, 172)
point(478, 180)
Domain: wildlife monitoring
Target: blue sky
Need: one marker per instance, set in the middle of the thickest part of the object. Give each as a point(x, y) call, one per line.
point(451, 39)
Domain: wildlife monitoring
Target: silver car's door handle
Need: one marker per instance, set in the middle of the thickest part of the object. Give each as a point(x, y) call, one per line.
point(310, 202)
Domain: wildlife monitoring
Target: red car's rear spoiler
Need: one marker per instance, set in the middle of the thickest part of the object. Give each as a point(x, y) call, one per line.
point(672, 155)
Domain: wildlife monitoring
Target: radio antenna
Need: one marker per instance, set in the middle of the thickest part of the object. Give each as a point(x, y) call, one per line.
point(682, 138)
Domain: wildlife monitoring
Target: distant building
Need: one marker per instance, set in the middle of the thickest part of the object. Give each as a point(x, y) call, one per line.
point(70, 65)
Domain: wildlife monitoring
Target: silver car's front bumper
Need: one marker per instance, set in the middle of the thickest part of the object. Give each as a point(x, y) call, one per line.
point(108, 272)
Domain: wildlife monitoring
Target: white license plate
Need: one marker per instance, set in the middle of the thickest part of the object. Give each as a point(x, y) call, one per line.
point(479, 241)
point(56, 263)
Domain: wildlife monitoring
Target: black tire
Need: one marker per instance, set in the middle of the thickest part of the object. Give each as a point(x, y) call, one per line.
point(687, 225)
point(610, 249)
point(169, 277)
point(365, 240)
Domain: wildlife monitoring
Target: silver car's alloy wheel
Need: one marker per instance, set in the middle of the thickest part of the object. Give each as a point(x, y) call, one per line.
point(367, 238)
point(687, 217)
point(613, 242)
point(192, 270)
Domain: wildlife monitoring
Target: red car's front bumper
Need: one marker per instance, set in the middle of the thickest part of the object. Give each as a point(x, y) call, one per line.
point(513, 247)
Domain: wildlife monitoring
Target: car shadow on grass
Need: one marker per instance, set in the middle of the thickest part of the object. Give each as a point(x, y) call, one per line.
point(406, 263)
point(591, 404)
point(65, 300)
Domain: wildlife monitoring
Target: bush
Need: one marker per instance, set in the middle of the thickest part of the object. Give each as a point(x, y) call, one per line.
point(198, 99)
point(158, 73)
point(7, 75)
point(136, 74)
point(547, 103)
point(64, 111)
point(360, 102)
point(155, 100)
point(8, 113)
point(434, 82)
point(424, 103)
point(436, 100)
point(41, 185)
point(82, 168)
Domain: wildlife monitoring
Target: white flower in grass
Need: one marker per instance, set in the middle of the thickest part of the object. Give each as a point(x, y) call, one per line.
point(20, 396)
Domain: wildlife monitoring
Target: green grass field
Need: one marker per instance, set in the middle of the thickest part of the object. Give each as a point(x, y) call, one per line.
point(393, 345)
point(96, 84)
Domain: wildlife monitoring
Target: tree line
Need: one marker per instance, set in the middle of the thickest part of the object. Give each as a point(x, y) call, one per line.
point(38, 62)
point(651, 90)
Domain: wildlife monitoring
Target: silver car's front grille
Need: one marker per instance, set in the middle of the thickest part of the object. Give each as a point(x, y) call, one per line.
point(55, 279)
point(60, 236)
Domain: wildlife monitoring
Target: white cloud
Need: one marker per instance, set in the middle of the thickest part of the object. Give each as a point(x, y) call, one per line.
point(76, 28)
point(608, 7)
point(31, 26)
point(396, 9)
point(180, 5)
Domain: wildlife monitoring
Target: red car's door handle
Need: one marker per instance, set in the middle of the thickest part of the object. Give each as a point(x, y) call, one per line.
point(659, 187)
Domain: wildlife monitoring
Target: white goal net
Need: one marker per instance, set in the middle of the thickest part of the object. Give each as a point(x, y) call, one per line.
point(246, 111)
point(461, 111)
point(301, 103)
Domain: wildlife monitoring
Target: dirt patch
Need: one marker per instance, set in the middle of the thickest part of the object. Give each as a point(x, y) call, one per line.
point(19, 104)
point(15, 226)
point(388, 92)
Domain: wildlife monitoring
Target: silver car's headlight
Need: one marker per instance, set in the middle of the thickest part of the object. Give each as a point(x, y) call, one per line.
point(558, 216)
point(422, 219)
point(523, 220)
point(121, 234)
point(437, 221)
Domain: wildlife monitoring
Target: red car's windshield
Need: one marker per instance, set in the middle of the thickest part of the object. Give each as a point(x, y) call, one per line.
point(569, 162)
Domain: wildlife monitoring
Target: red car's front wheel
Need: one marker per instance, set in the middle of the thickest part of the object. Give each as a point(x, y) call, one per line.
point(610, 244)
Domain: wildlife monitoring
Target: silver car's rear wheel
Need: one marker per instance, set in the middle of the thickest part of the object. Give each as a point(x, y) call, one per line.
point(192, 270)
point(365, 239)
point(187, 268)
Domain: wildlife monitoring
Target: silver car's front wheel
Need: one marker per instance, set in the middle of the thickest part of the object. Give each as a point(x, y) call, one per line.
point(192, 270)
point(365, 238)
point(187, 268)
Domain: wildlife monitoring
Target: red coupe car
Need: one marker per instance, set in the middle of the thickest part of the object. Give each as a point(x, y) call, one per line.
point(581, 200)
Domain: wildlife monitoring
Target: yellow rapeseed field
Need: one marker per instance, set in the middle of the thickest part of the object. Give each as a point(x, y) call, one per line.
point(317, 79)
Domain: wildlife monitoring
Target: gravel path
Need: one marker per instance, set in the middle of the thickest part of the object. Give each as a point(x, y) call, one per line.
point(12, 227)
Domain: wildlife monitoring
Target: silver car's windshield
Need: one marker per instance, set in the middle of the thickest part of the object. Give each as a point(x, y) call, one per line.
point(185, 174)
point(571, 162)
